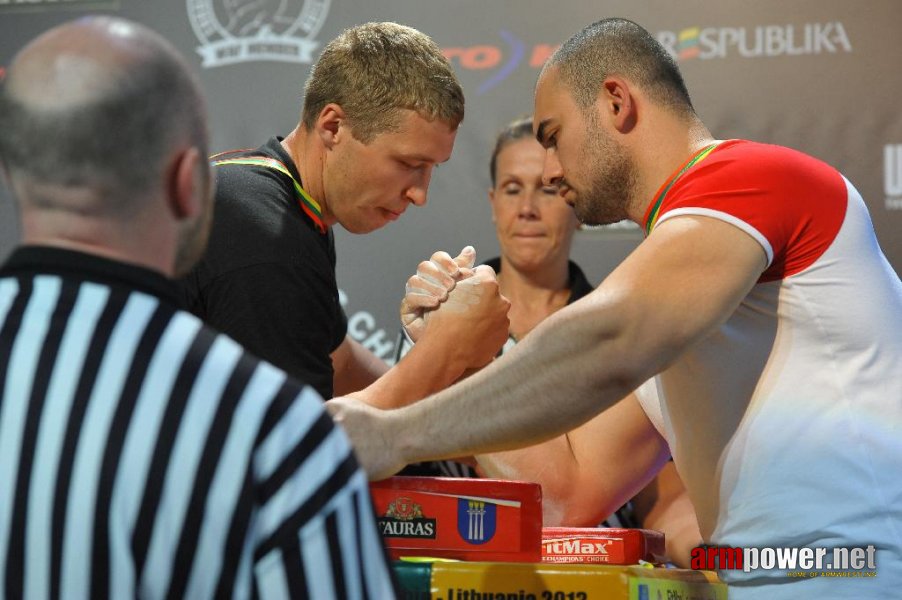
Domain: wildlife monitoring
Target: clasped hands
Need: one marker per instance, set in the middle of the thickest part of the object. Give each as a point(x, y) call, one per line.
point(451, 298)
point(461, 309)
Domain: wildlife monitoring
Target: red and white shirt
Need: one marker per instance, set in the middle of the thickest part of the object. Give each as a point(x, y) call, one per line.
point(786, 422)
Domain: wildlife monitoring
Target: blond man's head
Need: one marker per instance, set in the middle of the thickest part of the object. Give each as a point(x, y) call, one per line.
point(375, 70)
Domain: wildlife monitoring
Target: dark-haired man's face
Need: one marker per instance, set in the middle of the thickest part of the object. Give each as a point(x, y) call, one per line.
point(596, 173)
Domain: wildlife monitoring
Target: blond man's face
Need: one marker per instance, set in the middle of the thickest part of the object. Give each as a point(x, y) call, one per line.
point(367, 186)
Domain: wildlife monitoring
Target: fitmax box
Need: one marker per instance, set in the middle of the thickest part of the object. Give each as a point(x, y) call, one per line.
point(464, 519)
point(607, 545)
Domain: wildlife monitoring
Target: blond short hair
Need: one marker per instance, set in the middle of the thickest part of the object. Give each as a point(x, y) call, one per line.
point(374, 70)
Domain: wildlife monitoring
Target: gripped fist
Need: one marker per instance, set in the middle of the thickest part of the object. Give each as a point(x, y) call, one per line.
point(473, 319)
point(430, 286)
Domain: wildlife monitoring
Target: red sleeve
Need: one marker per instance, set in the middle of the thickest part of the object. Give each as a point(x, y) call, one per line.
point(785, 199)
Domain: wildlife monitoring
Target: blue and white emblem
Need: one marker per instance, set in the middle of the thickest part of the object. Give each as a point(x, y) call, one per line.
point(476, 520)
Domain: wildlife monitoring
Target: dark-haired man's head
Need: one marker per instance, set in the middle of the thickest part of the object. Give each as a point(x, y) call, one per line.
point(620, 47)
point(596, 172)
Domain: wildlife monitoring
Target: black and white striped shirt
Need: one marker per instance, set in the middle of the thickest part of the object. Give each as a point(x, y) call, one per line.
point(142, 454)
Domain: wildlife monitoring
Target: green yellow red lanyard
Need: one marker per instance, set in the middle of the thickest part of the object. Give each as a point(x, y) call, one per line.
point(653, 214)
point(310, 206)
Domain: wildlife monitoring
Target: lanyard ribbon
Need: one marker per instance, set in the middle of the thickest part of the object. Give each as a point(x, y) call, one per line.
point(653, 214)
point(310, 206)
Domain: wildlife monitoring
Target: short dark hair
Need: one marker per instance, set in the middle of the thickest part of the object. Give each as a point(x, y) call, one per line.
point(517, 129)
point(374, 70)
point(117, 141)
point(620, 47)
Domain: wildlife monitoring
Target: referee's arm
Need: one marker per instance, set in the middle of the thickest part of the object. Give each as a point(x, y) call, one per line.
point(315, 526)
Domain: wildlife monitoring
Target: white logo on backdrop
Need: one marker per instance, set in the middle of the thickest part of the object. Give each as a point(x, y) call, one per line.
point(363, 328)
point(762, 41)
point(236, 31)
point(892, 176)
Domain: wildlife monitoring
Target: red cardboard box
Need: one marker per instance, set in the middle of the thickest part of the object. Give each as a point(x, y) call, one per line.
point(465, 519)
point(608, 545)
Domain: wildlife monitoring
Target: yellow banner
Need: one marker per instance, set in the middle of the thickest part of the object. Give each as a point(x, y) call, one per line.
point(491, 581)
point(644, 588)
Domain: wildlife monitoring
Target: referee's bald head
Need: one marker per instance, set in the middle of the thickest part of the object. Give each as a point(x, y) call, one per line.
point(96, 105)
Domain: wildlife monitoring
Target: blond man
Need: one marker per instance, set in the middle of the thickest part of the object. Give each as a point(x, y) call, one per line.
point(381, 110)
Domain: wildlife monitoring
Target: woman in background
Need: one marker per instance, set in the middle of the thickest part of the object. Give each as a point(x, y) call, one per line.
point(535, 232)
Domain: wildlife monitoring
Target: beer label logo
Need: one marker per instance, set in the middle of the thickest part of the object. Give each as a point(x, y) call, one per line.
point(235, 31)
point(476, 520)
point(404, 509)
point(404, 519)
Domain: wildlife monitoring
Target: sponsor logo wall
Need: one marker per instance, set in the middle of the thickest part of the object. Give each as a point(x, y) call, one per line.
point(760, 41)
point(820, 76)
point(498, 59)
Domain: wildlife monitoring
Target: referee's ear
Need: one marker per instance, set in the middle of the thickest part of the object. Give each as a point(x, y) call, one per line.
point(184, 197)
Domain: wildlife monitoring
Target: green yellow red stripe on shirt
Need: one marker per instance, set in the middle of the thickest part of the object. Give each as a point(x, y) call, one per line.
point(310, 206)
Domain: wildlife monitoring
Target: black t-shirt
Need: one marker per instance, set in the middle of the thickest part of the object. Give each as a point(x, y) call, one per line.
point(267, 278)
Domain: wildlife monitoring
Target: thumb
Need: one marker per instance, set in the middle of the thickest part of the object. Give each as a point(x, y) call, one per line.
point(483, 273)
point(466, 258)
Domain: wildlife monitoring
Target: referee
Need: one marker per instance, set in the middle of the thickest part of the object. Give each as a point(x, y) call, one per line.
point(142, 454)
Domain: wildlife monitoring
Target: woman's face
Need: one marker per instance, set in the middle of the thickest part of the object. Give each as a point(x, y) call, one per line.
point(534, 224)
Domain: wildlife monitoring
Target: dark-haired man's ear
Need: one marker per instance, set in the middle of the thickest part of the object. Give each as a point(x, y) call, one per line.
point(620, 102)
point(329, 124)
